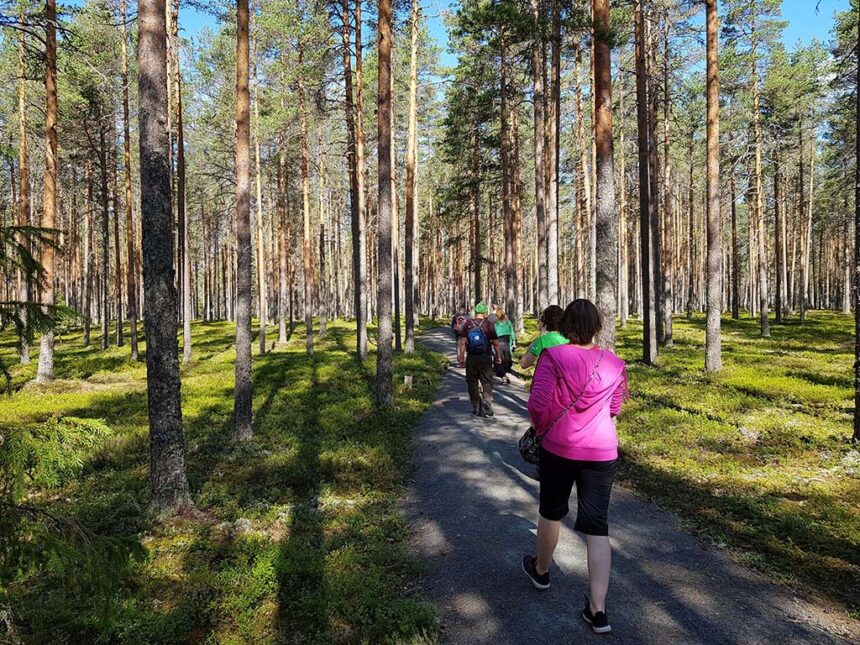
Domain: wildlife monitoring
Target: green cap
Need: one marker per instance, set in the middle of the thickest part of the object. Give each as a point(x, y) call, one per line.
point(481, 308)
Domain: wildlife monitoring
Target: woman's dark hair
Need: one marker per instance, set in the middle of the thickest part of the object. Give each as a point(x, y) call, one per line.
point(580, 322)
point(551, 317)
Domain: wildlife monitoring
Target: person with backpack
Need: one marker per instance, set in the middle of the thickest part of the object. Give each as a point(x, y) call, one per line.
point(481, 347)
point(577, 392)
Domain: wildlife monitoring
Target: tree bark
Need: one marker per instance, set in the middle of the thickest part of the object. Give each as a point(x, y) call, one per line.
point(537, 52)
point(553, 126)
point(649, 322)
point(736, 258)
point(606, 224)
point(182, 214)
point(411, 203)
point(170, 493)
point(23, 196)
point(360, 226)
point(778, 238)
point(759, 209)
point(131, 265)
point(244, 388)
point(668, 273)
point(104, 292)
point(45, 373)
point(384, 366)
point(262, 301)
point(713, 357)
point(283, 294)
point(307, 250)
point(88, 253)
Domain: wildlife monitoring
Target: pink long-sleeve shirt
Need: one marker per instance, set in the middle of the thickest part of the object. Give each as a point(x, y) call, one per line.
point(587, 431)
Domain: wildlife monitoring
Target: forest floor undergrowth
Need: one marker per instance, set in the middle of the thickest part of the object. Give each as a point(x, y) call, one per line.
point(300, 539)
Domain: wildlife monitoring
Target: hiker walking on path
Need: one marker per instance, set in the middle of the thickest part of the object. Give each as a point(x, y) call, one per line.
point(549, 335)
point(578, 389)
point(507, 344)
point(480, 345)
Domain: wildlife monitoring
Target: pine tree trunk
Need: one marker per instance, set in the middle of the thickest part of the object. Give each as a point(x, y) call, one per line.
point(261, 244)
point(656, 228)
point(623, 248)
point(507, 188)
point(182, 218)
point(395, 222)
point(104, 291)
point(649, 322)
point(856, 435)
point(736, 259)
point(88, 253)
point(778, 238)
point(553, 126)
point(606, 224)
point(244, 388)
point(807, 236)
point(283, 294)
point(667, 251)
point(307, 250)
point(170, 493)
point(585, 204)
point(713, 357)
point(691, 237)
point(384, 366)
point(411, 204)
point(537, 51)
point(131, 265)
point(360, 221)
point(45, 372)
point(23, 197)
point(117, 247)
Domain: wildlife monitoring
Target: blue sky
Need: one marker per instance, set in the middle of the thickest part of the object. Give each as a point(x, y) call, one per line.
point(804, 22)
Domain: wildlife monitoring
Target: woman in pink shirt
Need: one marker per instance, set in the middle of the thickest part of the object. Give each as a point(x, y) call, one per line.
point(577, 391)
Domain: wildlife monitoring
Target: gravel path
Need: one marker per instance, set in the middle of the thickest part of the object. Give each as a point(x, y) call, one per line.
point(473, 510)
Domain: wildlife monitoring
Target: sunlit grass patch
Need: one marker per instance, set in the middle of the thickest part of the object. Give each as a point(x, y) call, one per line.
point(758, 456)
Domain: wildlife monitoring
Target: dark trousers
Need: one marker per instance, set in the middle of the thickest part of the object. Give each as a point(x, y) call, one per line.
point(479, 369)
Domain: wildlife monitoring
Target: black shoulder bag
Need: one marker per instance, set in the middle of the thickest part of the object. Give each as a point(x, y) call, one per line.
point(529, 443)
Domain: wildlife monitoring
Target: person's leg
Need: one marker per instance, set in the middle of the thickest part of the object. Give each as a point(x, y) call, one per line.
point(599, 565)
point(487, 378)
point(556, 483)
point(472, 381)
point(593, 489)
point(547, 540)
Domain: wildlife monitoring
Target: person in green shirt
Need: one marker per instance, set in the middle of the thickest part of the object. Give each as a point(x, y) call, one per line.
point(549, 335)
point(507, 343)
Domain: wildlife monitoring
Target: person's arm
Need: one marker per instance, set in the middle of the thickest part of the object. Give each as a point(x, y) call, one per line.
point(461, 351)
point(497, 351)
point(541, 396)
point(619, 395)
point(528, 358)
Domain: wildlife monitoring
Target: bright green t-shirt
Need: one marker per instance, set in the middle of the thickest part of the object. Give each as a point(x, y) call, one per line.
point(549, 339)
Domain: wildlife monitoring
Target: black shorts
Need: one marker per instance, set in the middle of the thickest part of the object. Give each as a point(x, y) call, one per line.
point(593, 487)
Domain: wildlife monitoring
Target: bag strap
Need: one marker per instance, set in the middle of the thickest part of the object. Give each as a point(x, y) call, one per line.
point(576, 400)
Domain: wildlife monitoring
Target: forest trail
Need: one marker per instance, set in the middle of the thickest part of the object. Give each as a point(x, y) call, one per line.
point(473, 509)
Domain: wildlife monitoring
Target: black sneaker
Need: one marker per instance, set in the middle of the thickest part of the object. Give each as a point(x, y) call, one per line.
point(530, 569)
point(488, 409)
point(476, 410)
point(598, 620)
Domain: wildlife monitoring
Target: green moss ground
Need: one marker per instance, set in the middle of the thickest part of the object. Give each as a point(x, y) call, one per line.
point(757, 458)
point(300, 541)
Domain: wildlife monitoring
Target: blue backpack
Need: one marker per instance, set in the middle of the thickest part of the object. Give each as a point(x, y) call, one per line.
point(476, 340)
